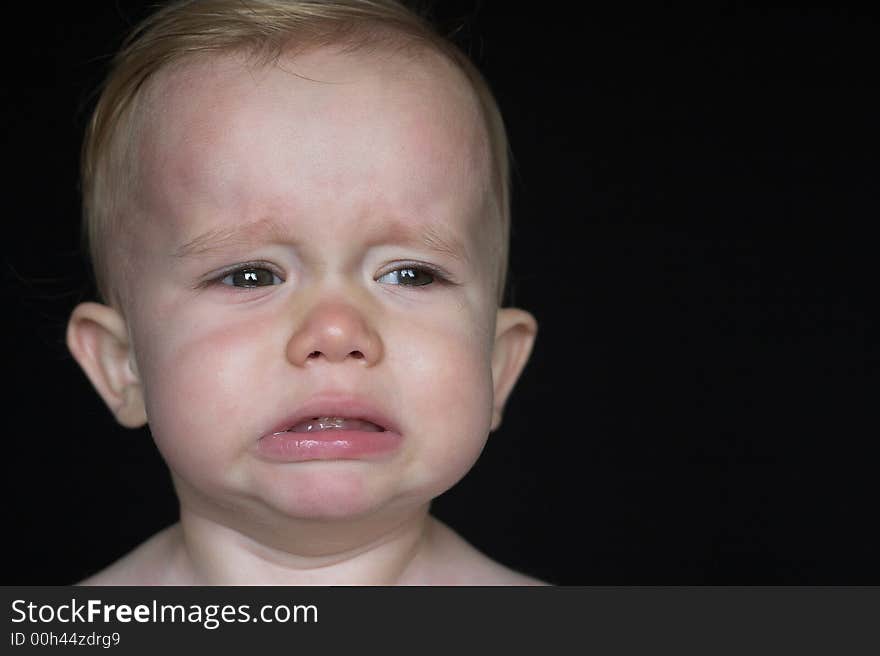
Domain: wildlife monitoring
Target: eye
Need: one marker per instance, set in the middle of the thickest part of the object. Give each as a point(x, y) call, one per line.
point(409, 276)
point(250, 276)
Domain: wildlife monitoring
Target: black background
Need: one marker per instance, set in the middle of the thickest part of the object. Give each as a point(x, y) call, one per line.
point(694, 210)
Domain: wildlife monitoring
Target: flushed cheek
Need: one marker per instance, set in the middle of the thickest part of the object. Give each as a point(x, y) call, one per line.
point(449, 411)
point(201, 397)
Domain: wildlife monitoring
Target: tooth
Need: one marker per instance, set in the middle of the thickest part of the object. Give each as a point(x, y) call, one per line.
point(327, 423)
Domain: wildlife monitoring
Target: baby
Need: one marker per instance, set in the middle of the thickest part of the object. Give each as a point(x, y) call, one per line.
point(298, 217)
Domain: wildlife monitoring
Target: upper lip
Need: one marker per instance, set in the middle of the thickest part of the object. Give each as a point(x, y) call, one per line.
point(349, 407)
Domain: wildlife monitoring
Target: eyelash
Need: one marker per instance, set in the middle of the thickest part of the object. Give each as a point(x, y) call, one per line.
point(436, 274)
point(247, 266)
point(438, 277)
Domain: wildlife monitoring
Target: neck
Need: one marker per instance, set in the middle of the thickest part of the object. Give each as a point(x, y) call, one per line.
point(387, 549)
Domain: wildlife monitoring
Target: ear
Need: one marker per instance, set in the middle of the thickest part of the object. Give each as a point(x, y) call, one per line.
point(515, 332)
point(98, 340)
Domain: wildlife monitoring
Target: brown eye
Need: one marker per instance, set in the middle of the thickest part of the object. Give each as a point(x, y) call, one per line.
point(251, 277)
point(408, 277)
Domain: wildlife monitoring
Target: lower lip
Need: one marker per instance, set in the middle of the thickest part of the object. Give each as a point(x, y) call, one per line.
point(328, 445)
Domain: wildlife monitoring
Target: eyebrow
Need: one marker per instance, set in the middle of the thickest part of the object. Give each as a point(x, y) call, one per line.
point(434, 237)
point(218, 239)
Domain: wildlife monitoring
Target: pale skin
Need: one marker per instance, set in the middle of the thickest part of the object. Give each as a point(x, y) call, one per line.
point(338, 170)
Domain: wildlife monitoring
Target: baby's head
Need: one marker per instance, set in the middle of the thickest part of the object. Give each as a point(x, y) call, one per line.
point(296, 211)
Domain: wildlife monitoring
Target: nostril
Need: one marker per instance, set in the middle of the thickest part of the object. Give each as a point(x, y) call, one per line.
point(357, 355)
point(314, 354)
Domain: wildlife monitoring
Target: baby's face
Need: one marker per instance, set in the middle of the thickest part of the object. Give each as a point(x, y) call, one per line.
point(320, 230)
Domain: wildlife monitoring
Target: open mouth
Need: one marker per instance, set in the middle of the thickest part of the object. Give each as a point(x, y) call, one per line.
point(331, 437)
point(335, 423)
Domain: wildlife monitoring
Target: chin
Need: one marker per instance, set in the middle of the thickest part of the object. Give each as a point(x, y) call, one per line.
point(325, 491)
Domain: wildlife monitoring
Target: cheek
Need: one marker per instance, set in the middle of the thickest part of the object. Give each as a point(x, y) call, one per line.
point(200, 393)
point(447, 362)
point(447, 400)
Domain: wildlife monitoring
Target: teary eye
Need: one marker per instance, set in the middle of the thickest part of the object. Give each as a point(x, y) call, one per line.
point(251, 277)
point(408, 277)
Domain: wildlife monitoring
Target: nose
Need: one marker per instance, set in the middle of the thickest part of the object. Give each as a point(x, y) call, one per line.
point(335, 332)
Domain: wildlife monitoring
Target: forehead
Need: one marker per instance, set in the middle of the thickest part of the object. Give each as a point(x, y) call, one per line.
point(324, 138)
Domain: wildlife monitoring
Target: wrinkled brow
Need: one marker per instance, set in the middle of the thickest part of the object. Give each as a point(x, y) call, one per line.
point(218, 239)
point(434, 237)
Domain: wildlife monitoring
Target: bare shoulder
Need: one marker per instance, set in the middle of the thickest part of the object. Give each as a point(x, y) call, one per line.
point(147, 564)
point(457, 562)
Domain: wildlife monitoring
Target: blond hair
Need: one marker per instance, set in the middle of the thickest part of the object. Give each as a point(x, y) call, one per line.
point(265, 29)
